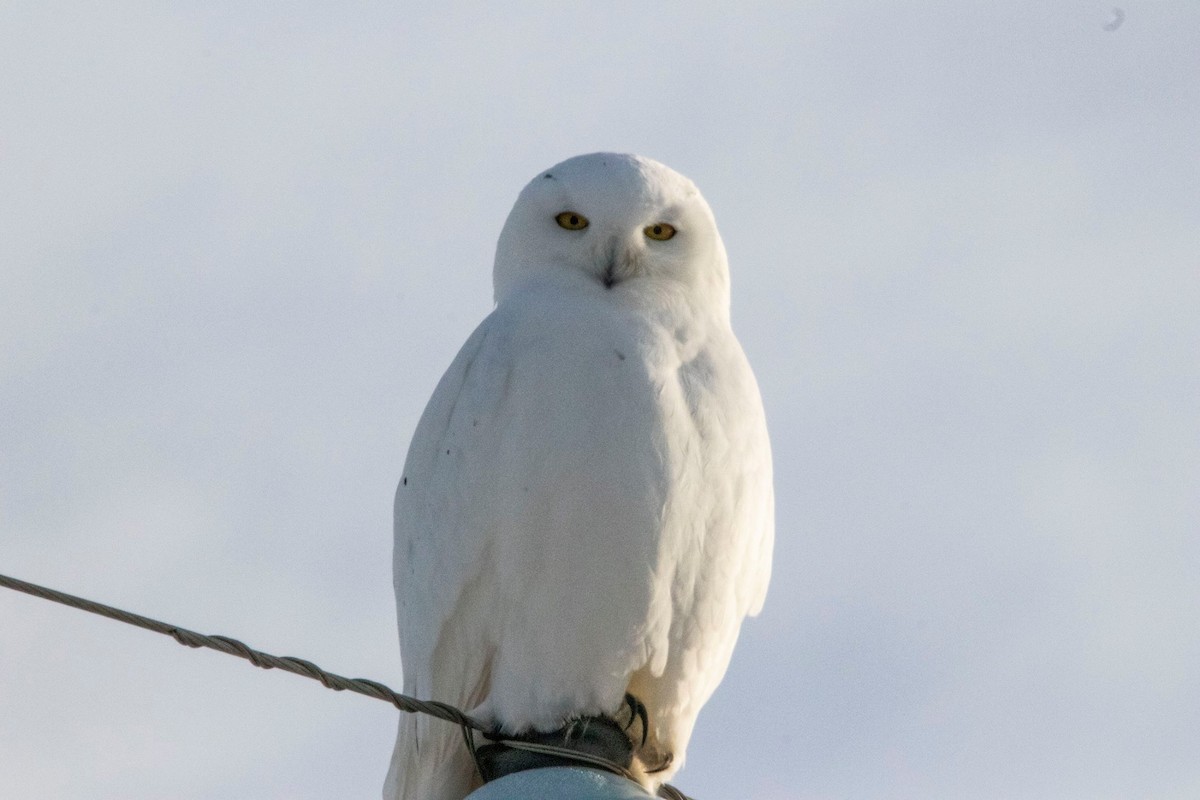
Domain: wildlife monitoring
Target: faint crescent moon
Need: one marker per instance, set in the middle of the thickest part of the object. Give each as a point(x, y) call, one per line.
point(1115, 22)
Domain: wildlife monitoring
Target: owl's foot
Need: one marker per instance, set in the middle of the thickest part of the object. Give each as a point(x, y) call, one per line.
point(600, 736)
point(651, 758)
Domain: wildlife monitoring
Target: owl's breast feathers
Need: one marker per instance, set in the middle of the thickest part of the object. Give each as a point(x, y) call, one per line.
point(598, 490)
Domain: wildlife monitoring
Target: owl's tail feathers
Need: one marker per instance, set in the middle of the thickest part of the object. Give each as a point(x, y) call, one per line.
point(430, 762)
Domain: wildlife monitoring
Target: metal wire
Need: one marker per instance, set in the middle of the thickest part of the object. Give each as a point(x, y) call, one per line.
point(224, 644)
point(307, 669)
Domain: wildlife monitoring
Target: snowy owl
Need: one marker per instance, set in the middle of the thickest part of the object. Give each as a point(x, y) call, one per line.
point(586, 512)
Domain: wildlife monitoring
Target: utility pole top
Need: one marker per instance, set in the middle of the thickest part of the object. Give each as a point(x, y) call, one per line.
point(560, 783)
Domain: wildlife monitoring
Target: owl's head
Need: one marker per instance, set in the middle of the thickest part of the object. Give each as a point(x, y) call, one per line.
point(615, 223)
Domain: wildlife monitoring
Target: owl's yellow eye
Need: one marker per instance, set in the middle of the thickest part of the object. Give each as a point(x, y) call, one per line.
point(659, 231)
point(571, 221)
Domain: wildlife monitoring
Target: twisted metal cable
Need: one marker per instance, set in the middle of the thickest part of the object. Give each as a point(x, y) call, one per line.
point(307, 669)
point(224, 644)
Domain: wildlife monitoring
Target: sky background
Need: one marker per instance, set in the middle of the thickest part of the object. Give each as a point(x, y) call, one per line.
point(239, 243)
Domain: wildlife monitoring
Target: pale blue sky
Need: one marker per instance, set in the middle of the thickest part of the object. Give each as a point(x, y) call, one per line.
point(238, 246)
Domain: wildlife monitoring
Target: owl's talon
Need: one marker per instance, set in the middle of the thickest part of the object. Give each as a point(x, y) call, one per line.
point(637, 710)
point(664, 762)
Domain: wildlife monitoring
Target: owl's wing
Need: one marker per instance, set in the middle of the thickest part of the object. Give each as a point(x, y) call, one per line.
point(754, 508)
point(718, 534)
point(440, 502)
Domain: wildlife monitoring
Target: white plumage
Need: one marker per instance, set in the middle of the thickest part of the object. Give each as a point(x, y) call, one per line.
point(586, 508)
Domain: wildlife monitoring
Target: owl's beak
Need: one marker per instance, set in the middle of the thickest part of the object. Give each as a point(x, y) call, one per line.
point(618, 265)
point(609, 278)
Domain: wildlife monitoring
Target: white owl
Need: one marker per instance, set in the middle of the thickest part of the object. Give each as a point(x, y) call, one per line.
point(586, 509)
